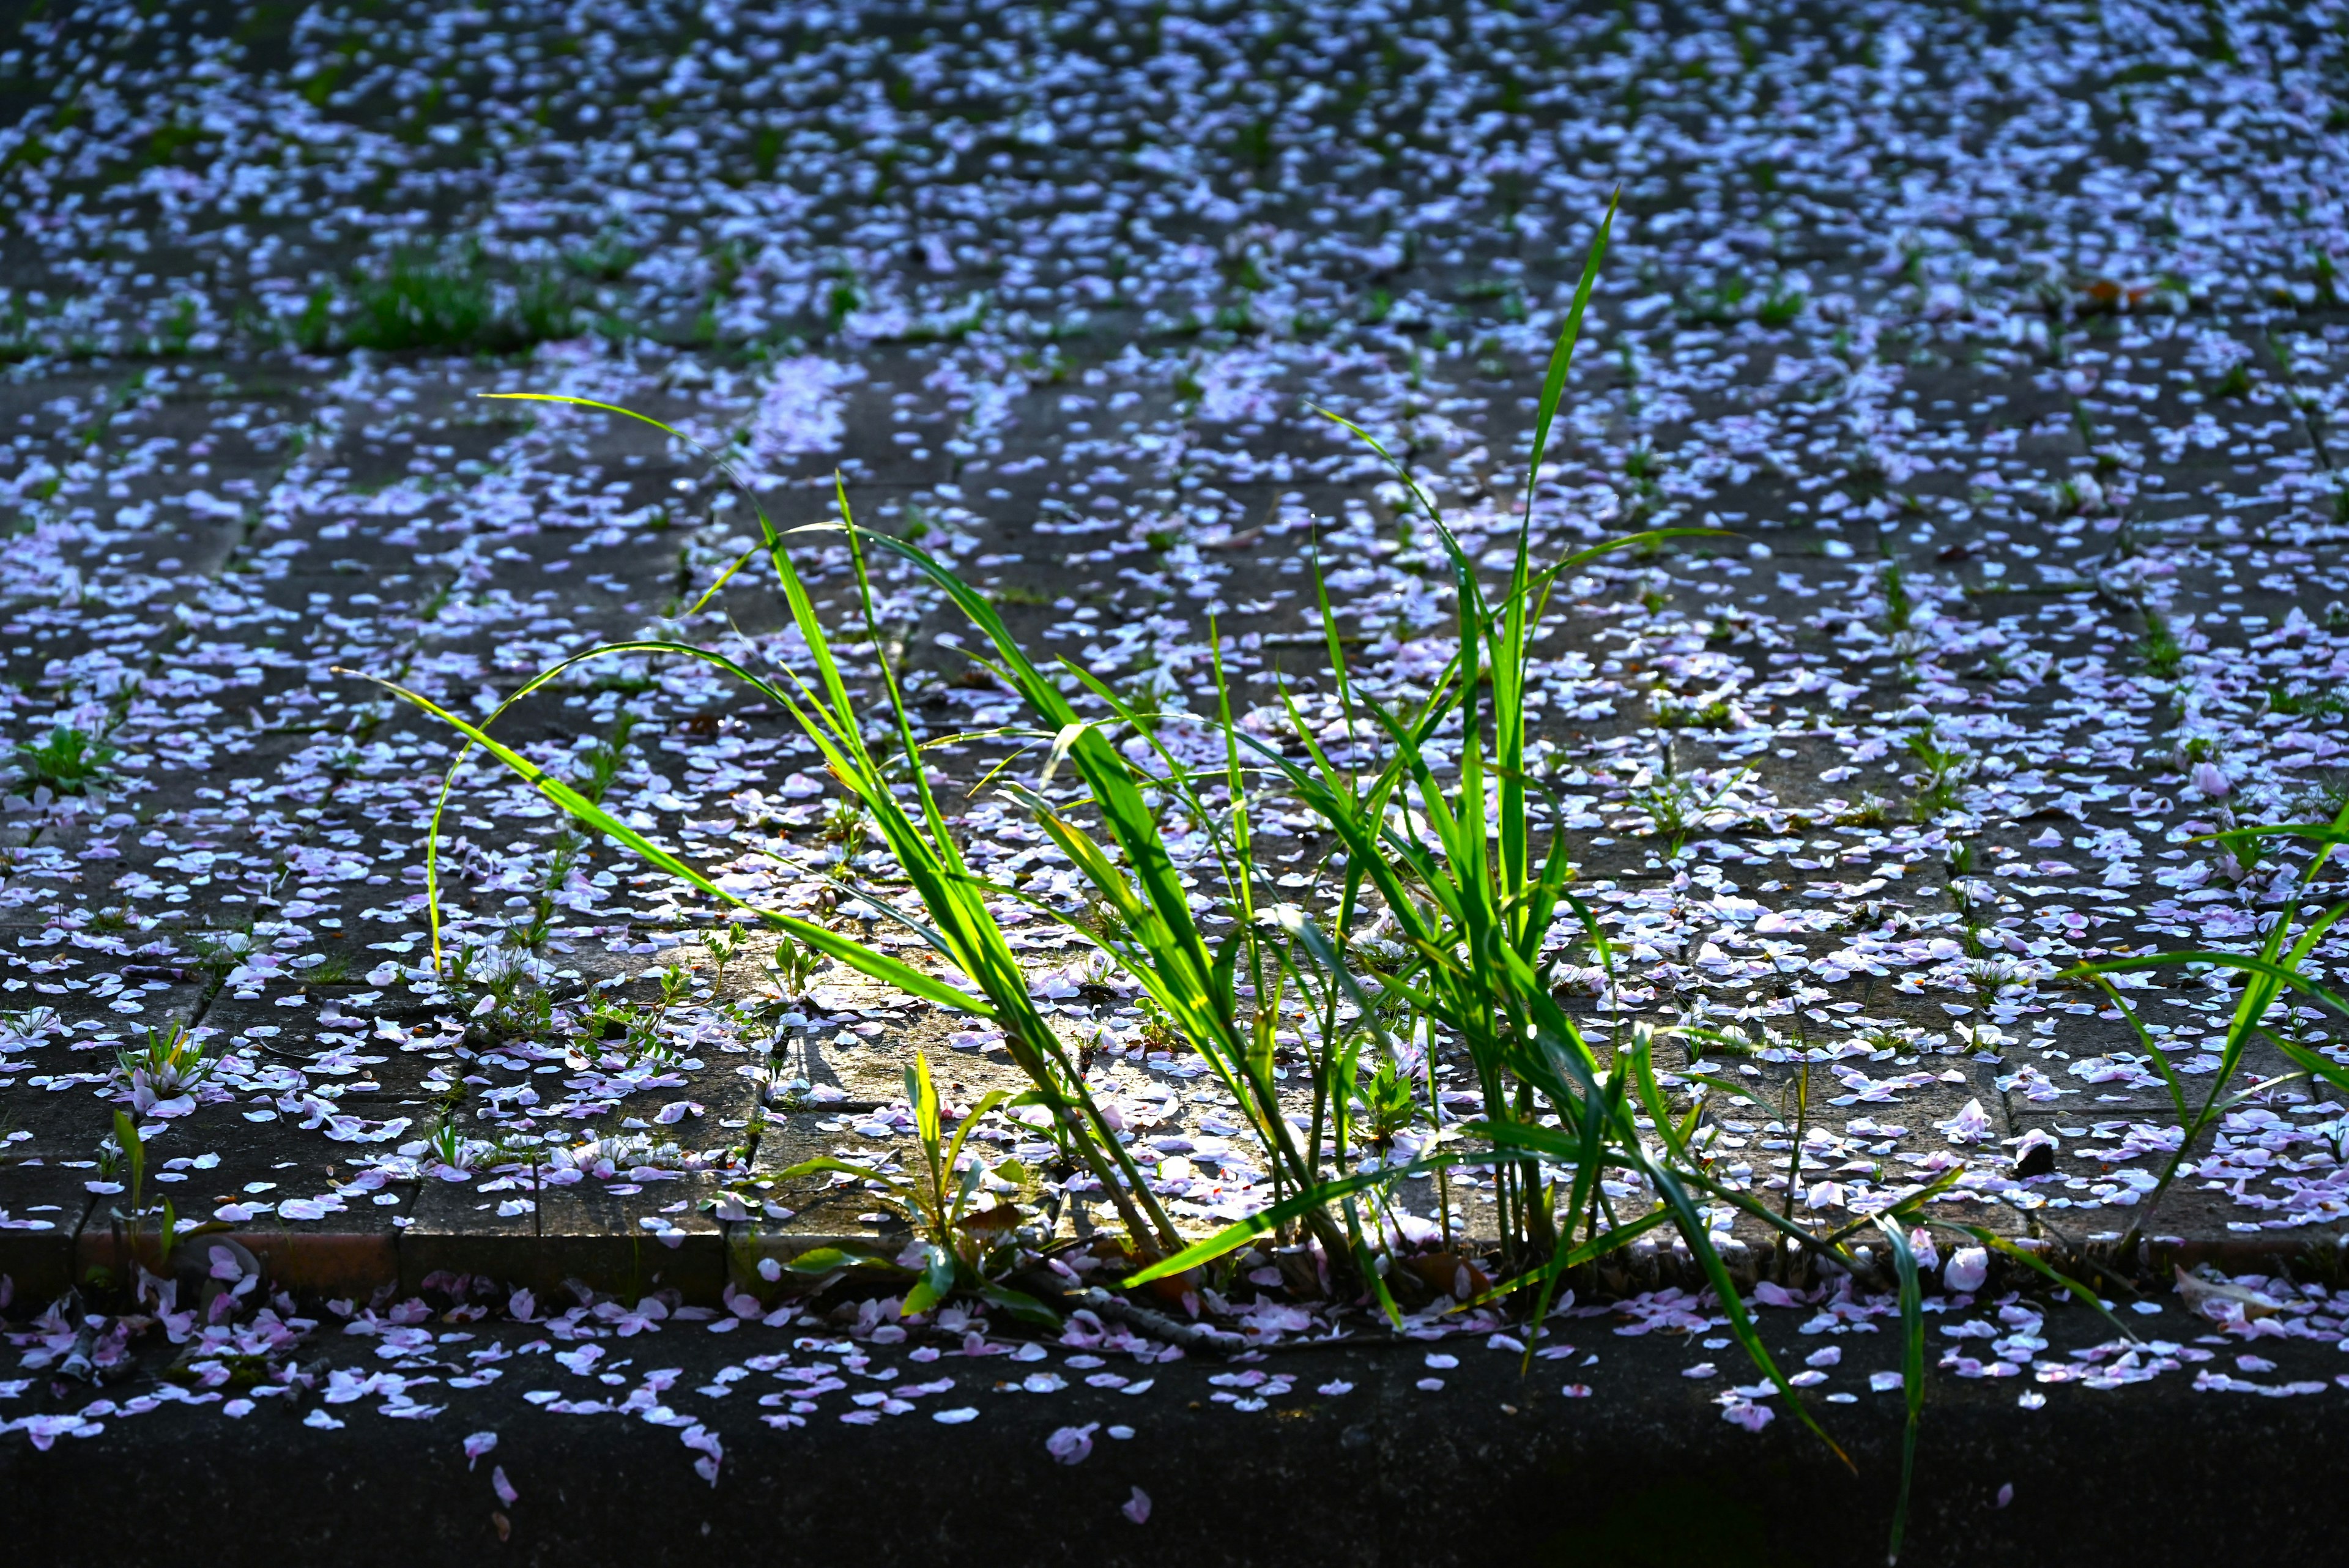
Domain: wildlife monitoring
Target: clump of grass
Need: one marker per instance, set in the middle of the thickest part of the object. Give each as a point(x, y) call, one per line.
point(2075, 496)
point(965, 1250)
point(1782, 306)
point(961, 925)
point(2163, 654)
point(2300, 701)
point(607, 757)
point(1441, 837)
point(1871, 811)
point(608, 258)
point(70, 761)
point(1670, 714)
point(1945, 772)
point(2283, 963)
point(1678, 804)
point(1899, 609)
point(446, 299)
point(841, 301)
point(1716, 306)
point(421, 301)
point(546, 309)
point(219, 952)
point(511, 1006)
point(328, 969)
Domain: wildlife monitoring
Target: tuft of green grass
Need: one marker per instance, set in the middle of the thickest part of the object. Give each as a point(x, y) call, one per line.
point(2297, 700)
point(419, 300)
point(444, 300)
point(331, 969)
point(1716, 306)
point(1899, 609)
point(1445, 832)
point(1253, 142)
point(1782, 306)
point(2160, 647)
point(1945, 772)
point(70, 761)
point(546, 309)
point(608, 258)
point(841, 301)
point(2285, 962)
point(1677, 806)
point(1872, 811)
point(1717, 714)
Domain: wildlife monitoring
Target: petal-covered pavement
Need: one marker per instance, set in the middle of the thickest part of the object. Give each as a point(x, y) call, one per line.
point(1994, 354)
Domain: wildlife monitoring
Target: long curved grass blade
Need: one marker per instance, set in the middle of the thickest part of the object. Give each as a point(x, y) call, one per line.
point(1912, 1369)
point(987, 1101)
point(931, 859)
point(1266, 1222)
point(2038, 1265)
point(831, 943)
point(2265, 969)
point(1562, 356)
point(723, 578)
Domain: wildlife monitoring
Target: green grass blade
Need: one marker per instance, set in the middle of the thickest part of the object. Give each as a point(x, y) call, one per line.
point(1562, 356)
point(1266, 1222)
point(2038, 1265)
point(1912, 1369)
point(880, 966)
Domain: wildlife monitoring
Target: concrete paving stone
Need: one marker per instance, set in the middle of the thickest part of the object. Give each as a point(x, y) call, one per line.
point(220, 1169)
point(2220, 1208)
point(794, 1214)
point(625, 1237)
point(870, 1071)
point(43, 1204)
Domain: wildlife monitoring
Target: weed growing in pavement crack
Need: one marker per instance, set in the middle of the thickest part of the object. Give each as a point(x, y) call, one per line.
point(70, 762)
point(964, 1251)
point(1945, 772)
point(1441, 841)
point(2160, 647)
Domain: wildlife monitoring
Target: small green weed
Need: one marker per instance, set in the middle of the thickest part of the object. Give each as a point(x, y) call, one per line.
point(791, 966)
point(1782, 306)
point(965, 1250)
point(2160, 647)
point(421, 301)
point(546, 309)
point(1899, 609)
point(608, 258)
point(1680, 804)
point(1945, 772)
point(172, 1062)
point(2303, 700)
point(331, 968)
point(70, 761)
point(1871, 811)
